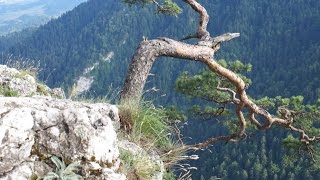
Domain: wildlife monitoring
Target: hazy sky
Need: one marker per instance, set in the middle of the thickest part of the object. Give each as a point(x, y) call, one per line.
point(9, 2)
point(8, 14)
point(33, 11)
point(14, 9)
point(19, 14)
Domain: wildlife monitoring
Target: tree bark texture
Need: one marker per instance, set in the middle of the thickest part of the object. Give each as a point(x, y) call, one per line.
point(145, 56)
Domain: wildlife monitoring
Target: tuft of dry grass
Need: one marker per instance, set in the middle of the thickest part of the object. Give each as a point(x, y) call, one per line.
point(138, 166)
point(149, 127)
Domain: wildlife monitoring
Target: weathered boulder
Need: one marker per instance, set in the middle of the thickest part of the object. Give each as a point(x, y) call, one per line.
point(22, 83)
point(34, 128)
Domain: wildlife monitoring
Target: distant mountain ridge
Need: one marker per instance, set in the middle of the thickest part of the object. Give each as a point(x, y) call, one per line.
point(16, 15)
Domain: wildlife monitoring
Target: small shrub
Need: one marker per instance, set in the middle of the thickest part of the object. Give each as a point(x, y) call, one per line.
point(41, 88)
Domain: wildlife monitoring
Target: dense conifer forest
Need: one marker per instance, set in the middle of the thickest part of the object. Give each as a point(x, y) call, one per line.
point(280, 39)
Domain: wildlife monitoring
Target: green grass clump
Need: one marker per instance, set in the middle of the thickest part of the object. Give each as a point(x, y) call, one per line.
point(147, 125)
point(138, 166)
point(26, 71)
point(8, 92)
point(152, 129)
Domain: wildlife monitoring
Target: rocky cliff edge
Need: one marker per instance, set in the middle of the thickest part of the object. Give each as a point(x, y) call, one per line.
point(39, 123)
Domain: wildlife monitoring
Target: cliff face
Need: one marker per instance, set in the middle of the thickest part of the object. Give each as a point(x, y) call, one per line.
point(35, 128)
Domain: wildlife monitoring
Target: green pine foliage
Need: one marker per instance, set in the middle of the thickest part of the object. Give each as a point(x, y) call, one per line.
point(170, 8)
point(163, 6)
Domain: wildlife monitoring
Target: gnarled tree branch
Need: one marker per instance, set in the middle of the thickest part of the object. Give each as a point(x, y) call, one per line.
point(145, 56)
point(202, 32)
point(203, 51)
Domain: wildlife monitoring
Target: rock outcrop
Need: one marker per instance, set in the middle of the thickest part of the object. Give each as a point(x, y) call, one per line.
point(22, 84)
point(38, 125)
point(34, 128)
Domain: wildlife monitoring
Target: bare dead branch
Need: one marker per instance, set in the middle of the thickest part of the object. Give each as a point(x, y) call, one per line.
point(212, 140)
point(234, 99)
point(157, 4)
point(185, 176)
point(178, 133)
point(311, 153)
point(202, 32)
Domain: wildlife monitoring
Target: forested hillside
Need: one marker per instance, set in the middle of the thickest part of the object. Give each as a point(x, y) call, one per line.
point(281, 39)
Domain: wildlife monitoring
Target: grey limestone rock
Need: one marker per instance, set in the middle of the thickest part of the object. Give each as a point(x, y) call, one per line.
point(34, 128)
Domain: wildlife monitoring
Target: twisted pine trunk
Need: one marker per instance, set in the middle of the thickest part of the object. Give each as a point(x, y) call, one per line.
point(146, 54)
